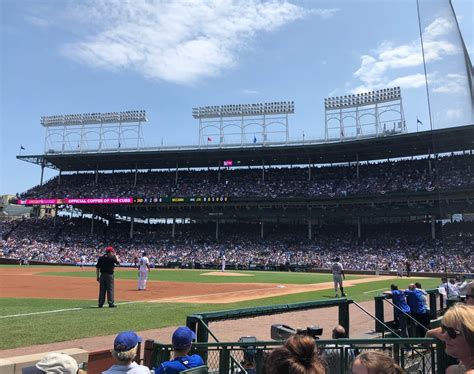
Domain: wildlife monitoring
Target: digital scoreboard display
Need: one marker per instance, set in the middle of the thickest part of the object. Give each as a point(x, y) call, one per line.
point(125, 200)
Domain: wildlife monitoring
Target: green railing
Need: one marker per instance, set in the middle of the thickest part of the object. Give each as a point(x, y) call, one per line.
point(414, 355)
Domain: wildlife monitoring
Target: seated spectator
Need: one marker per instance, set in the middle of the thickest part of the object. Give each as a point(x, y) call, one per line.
point(248, 362)
point(374, 362)
point(297, 355)
point(458, 333)
point(182, 341)
point(124, 352)
point(332, 353)
point(55, 362)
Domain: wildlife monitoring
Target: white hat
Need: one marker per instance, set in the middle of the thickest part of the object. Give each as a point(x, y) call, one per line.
point(58, 363)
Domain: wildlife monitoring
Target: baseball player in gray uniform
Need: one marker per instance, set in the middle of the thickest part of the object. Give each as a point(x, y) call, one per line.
point(337, 276)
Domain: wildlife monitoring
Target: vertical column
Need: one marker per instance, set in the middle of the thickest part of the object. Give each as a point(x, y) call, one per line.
point(217, 230)
point(59, 177)
point(92, 221)
point(358, 228)
point(96, 175)
point(221, 132)
point(430, 169)
point(261, 229)
point(136, 172)
point(42, 173)
point(433, 227)
point(263, 171)
point(310, 233)
point(219, 171)
point(357, 166)
point(309, 170)
point(173, 228)
point(176, 175)
point(132, 221)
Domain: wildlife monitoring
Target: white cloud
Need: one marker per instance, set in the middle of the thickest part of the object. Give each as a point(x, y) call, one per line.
point(454, 113)
point(376, 67)
point(180, 41)
point(247, 91)
point(37, 21)
point(325, 13)
point(451, 84)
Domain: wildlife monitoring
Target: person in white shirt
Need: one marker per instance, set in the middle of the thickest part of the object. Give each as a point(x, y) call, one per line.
point(337, 276)
point(223, 262)
point(124, 353)
point(143, 269)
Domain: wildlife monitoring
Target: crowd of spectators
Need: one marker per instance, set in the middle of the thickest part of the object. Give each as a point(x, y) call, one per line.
point(381, 247)
point(453, 172)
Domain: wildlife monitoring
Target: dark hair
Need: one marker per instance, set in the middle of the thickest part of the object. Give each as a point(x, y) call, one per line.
point(144, 253)
point(379, 363)
point(393, 287)
point(297, 356)
point(418, 285)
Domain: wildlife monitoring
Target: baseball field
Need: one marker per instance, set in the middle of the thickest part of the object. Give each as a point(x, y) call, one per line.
point(42, 305)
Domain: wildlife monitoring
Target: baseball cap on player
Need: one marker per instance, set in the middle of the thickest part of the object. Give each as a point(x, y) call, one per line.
point(109, 249)
point(57, 363)
point(183, 337)
point(125, 341)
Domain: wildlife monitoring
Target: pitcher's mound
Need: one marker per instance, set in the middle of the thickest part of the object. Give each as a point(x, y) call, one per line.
point(227, 274)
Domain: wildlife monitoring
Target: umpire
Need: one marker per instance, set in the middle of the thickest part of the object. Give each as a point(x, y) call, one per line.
point(105, 276)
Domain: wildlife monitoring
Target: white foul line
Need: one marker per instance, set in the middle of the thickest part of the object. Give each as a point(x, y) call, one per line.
point(60, 310)
point(380, 289)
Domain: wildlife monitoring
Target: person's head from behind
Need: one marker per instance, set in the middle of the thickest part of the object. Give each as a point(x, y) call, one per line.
point(249, 358)
point(375, 362)
point(339, 332)
point(411, 286)
point(418, 285)
point(144, 254)
point(393, 287)
point(297, 355)
point(182, 339)
point(125, 346)
point(458, 331)
point(470, 294)
point(56, 363)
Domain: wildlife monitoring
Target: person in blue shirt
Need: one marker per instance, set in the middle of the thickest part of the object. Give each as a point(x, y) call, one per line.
point(416, 302)
point(401, 308)
point(182, 340)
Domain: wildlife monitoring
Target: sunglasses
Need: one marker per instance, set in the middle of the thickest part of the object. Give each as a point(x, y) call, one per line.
point(451, 331)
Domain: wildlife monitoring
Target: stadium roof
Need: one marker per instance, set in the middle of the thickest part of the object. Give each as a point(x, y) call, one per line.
point(382, 147)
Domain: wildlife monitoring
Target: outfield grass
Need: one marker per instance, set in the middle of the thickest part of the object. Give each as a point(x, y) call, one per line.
point(91, 321)
point(199, 276)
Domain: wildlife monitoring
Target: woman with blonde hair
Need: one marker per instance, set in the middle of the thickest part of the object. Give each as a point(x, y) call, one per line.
point(458, 334)
point(375, 362)
point(297, 356)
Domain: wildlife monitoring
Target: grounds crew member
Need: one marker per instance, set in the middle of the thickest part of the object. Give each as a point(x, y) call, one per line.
point(105, 276)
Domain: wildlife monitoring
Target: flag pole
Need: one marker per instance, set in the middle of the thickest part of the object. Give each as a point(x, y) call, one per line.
point(424, 67)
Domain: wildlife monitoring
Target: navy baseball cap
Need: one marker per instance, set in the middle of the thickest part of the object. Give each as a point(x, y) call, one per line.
point(126, 340)
point(183, 337)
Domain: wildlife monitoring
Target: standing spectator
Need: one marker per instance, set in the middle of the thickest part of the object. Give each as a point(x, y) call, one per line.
point(124, 352)
point(401, 308)
point(408, 268)
point(143, 269)
point(297, 355)
point(337, 276)
point(452, 292)
point(425, 297)
point(374, 362)
point(105, 276)
point(458, 334)
point(416, 302)
point(182, 340)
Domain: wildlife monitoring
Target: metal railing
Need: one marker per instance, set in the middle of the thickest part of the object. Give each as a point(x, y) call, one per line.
point(421, 356)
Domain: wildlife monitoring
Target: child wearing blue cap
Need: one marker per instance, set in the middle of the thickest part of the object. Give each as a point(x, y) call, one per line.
point(182, 340)
point(124, 352)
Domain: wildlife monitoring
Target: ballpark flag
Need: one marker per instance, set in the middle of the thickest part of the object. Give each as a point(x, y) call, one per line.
point(22, 148)
point(254, 139)
point(209, 139)
point(418, 121)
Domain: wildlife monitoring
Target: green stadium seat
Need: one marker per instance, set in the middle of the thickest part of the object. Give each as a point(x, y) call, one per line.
point(197, 370)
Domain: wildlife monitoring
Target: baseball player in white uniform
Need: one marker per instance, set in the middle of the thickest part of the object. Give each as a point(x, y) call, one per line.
point(223, 262)
point(337, 276)
point(143, 269)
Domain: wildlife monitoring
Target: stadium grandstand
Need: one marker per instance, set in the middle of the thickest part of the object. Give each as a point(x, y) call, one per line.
point(390, 197)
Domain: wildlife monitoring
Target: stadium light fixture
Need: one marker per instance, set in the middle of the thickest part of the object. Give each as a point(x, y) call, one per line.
point(239, 110)
point(94, 118)
point(363, 98)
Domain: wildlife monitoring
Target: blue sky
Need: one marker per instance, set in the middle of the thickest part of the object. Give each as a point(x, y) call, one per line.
point(66, 57)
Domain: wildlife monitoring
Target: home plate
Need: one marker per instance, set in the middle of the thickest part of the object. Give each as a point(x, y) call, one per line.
point(281, 286)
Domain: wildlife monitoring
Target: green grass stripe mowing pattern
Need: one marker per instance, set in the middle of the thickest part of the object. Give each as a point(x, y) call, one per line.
point(90, 321)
